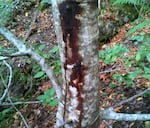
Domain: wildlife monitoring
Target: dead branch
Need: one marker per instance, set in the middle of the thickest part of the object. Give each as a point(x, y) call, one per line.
point(9, 82)
point(32, 23)
point(131, 98)
point(6, 92)
point(20, 103)
point(110, 114)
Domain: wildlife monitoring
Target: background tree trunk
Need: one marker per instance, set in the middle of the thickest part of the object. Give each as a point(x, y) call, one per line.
point(77, 34)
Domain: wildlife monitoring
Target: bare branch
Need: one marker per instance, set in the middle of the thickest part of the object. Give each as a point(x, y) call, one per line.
point(23, 119)
point(131, 98)
point(7, 56)
point(3, 58)
point(39, 59)
point(108, 125)
point(17, 43)
point(32, 23)
point(21, 102)
point(110, 114)
point(112, 69)
point(9, 82)
point(49, 72)
point(7, 88)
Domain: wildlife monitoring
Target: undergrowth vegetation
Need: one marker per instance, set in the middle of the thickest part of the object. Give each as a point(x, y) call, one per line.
point(137, 65)
point(141, 6)
point(6, 117)
point(52, 56)
point(49, 98)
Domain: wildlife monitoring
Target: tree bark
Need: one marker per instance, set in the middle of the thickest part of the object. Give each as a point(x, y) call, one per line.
point(77, 34)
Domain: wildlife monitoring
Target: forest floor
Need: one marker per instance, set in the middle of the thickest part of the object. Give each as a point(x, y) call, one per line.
point(39, 116)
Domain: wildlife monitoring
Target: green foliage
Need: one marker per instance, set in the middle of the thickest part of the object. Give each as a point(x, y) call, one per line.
point(109, 55)
point(6, 117)
point(142, 57)
point(140, 60)
point(104, 93)
point(134, 2)
point(9, 8)
point(139, 5)
point(39, 74)
point(147, 124)
point(7, 51)
point(44, 4)
point(118, 77)
point(138, 27)
point(28, 3)
point(147, 94)
point(49, 98)
point(6, 7)
point(52, 56)
point(111, 85)
point(55, 63)
point(143, 52)
point(23, 76)
point(127, 79)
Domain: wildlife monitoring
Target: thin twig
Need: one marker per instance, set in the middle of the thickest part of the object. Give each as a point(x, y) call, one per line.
point(21, 102)
point(3, 81)
point(110, 114)
point(9, 82)
point(8, 86)
point(108, 125)
point(23, 119)
point(110, 70)
point(8, 56)
point(131, 98)
point(16, 2)
point(3, 58)
point(141, 9)
point(99, 4)
point(31, 25)
point(14, 54)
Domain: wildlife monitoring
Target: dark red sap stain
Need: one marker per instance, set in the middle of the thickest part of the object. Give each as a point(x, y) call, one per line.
point(69, 11)
point(70, 23)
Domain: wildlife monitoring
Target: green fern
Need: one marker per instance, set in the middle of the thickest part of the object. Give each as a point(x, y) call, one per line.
point(134, 2)
point(138, 27)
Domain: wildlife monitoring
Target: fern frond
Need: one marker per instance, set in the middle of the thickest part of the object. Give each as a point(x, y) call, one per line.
point(134, 2)
point(138, 27)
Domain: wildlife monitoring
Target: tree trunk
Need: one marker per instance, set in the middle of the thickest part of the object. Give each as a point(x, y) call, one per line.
point(77, 34)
